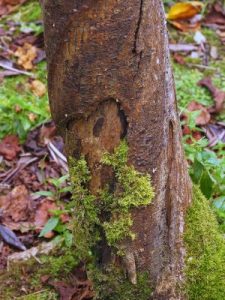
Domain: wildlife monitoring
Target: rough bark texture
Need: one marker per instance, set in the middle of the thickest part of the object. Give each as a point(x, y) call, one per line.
point(109, 78)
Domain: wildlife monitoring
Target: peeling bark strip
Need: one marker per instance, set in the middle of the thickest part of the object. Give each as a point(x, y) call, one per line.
point(109, 76)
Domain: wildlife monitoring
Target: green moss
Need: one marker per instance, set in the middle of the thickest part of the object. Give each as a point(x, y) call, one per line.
point(28, 274)
point(186, 87)
point(116, 230)
point(113, 286)
point(205, 263)
point(132, 189)
point(42, 295)
point(106, 218)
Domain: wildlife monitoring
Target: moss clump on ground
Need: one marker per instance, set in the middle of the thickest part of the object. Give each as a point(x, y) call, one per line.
point(205, 263)
point(28, 275)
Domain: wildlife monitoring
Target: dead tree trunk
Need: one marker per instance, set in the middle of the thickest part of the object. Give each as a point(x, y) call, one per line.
point(110, 78)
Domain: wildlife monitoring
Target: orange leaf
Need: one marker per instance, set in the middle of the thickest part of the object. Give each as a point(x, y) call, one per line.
point(185, 26)
point(184, 10)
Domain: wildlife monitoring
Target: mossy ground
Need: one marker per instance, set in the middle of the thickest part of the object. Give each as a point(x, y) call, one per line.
point(205, 263)
point(23, 280)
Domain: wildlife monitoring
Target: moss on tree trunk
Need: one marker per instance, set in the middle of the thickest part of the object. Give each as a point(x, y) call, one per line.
point(109, 79)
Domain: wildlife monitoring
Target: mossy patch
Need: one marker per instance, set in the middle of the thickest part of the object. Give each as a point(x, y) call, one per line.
point(113, 286)
point(132, 189)
point(106, 219)
point(205, 262)
point(23, 280)
point(102, 220)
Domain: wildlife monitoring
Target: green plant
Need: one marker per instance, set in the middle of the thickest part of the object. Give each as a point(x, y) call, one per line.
point(28, 17)
point(20, 109)
point(60, 185)
point(207, 169)
point(187, 89)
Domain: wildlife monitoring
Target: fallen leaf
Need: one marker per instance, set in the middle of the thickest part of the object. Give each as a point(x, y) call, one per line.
point(10, 238)
point(199, 38)
point(26, 54)
point(32, 117)
point(16, 205)
point(8, 65)
point(179, 59)
point(215, 133)
point(47, 132)
point(43, 213)
point(38, 88)
point(218, 95)
point(9, 147)
point(214, 52)
point(8, 6)
point(184, 10)
point(77, 289)
point(221, 35)
point(204, 117)
point(43, 248)
point(185, 26)
point(216, 15)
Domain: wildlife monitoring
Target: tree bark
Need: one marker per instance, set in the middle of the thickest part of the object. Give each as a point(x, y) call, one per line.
point(109, 78)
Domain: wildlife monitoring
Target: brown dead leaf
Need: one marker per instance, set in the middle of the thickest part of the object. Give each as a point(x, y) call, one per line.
point(32, 117)
point(184, 10)
point(216, 15)
point(218, 95)
point(221, 35)
point(9, 147)
point(8, 6)
point(75, 290)
point(47, 132)
point(185, 26)
point(26, 54)
point(16, 205)
point(38, 88)
point(215, 133)
point(43, 213)
point(179, 59)
point(204, 117)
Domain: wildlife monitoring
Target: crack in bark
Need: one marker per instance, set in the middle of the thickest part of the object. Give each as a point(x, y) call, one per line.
point(135, 50)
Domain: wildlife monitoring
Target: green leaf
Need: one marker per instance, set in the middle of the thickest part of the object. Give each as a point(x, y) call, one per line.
point(197, 170)
point(68, 236)
point(44, 193)
point(49, 226)
point(219, 202)
point(206, 184)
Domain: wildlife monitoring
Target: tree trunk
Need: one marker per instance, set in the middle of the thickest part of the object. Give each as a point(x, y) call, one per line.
point(109, 78)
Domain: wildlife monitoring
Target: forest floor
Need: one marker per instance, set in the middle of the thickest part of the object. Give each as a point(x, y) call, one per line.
point(34, 182)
